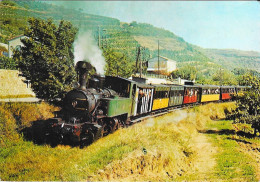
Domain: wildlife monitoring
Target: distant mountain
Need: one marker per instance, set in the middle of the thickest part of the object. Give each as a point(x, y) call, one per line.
point(125, 37)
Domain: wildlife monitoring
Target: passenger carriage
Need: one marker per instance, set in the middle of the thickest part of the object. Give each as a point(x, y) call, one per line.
point(227, 92)
point(191, 94)
point(142, 98)
point(176, 95)
point(161, 97)
point(209, 93)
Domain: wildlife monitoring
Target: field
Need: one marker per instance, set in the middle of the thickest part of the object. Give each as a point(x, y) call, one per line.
point(194, 144)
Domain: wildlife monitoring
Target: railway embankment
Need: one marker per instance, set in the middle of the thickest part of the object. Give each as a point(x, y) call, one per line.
point(15, 88)
point(194, 144)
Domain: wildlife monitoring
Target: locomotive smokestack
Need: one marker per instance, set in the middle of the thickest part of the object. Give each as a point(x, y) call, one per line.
point(82, 68)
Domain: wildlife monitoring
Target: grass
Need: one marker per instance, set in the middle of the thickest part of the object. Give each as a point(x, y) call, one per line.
point(165, 148)
point(232, 163)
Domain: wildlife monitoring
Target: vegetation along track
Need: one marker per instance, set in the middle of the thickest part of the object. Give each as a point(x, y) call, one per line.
point(166, 148)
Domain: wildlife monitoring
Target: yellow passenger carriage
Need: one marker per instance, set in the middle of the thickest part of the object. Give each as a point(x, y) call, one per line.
point(161, 97)
point(209, 93)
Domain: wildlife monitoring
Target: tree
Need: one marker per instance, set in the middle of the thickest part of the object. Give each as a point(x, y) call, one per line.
point(224, 77)
point(47, 57)
point(186, 72)
point(117, 64)
point(248, 104)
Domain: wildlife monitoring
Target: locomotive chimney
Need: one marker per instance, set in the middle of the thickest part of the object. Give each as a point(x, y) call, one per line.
point(82, 68)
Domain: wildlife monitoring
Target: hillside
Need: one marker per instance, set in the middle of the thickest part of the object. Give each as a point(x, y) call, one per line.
point(231, 58)
point(125, 37)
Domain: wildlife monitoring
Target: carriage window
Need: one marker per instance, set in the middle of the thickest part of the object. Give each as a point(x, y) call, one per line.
point(166, 94)
point(172, 93)
point(134, 90)
point(155, 94)
point(163, 94)
point(187, 92)
point(191, 92)
point(181, 92)
point(159, 94)
point(122, 87)
point(177, 93)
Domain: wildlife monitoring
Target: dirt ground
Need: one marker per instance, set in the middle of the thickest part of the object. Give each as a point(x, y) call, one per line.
point(205, 160)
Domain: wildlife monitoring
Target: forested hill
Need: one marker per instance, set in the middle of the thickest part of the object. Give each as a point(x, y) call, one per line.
point(123, 37)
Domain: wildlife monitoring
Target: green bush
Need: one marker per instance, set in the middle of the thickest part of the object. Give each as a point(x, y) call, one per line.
point(7, 63)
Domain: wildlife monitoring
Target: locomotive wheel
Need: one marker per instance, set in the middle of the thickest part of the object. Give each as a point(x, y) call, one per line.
point(107, 128)
point(115, 124)
point(87, 139)
point(110, 126)
point(54, 140)
point(121, 124)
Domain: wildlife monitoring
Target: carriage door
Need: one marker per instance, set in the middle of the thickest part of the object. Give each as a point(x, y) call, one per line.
point(135, 91)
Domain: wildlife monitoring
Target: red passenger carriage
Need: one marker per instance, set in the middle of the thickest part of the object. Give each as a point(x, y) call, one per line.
point(191, 94)
point(227, 92)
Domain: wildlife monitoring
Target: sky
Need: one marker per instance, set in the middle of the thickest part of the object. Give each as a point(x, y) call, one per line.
point(209, 24)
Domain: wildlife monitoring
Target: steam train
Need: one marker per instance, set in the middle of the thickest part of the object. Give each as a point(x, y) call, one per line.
point(108, 103)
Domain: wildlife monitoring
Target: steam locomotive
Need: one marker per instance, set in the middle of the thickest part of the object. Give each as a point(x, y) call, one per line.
point(108, 103)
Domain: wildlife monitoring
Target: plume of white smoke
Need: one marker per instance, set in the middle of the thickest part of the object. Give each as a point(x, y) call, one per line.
point(85, 48)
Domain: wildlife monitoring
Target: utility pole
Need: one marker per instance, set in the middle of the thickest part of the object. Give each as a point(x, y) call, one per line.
point(137, 58)
point(104, 38)
point(98, 36)
point(158, 58)
point(141, 62)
